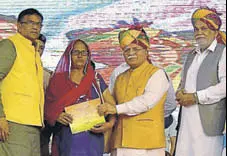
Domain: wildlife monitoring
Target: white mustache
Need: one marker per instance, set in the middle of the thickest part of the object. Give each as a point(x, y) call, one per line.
point(132, 57)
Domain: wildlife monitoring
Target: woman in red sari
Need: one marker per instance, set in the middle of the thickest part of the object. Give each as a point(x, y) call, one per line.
point(74, 81)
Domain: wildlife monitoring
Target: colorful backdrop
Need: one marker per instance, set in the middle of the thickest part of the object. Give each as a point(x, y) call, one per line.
point(98, 22)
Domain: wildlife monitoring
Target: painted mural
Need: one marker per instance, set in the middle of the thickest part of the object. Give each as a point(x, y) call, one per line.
point(98, 22)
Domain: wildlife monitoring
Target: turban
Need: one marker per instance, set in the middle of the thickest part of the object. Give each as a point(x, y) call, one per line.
point(213, 21)
point(134, 35)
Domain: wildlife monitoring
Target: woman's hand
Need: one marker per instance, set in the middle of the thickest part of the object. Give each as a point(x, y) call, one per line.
point(101, 128)
point(65, 119)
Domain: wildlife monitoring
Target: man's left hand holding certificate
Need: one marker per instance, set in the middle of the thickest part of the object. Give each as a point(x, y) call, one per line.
point(85, 117)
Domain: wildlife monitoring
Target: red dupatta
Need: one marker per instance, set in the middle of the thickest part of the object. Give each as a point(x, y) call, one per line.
point(61, 91)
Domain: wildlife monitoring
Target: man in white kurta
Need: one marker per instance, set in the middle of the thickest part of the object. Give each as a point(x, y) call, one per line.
point(192, 139)
point(191, 132)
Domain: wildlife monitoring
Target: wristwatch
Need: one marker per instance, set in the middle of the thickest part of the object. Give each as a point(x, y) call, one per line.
point(196, 98)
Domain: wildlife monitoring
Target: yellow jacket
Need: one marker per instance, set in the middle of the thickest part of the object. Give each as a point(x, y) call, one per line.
point(144, 131)
point(22, 88)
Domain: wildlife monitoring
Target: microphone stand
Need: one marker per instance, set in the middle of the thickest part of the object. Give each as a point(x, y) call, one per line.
point(99, 89)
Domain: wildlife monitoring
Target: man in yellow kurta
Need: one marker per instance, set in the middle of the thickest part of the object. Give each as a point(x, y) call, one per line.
point(140, 93)
point(21, 88)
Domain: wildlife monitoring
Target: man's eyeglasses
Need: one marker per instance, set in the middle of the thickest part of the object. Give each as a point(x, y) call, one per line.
point(77, 52)
point(135, 50)
point(31, 23)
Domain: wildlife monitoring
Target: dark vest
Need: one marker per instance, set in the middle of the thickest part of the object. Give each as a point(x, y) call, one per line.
point(213, 116)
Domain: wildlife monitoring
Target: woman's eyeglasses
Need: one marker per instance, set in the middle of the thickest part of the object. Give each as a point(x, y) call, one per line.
point(77, 52)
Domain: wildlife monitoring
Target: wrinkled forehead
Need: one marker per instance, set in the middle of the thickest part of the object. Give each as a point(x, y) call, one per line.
point(199, 23)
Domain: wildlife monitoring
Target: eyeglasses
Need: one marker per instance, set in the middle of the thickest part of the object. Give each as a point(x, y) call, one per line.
point(77, 52)
point(135, 50)
point(32, 23)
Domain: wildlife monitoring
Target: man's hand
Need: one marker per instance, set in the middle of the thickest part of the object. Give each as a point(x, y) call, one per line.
point(101, 128)
point(179, 94)
point(4, 129)
point(106, 108)
point(65, 119)
point(185, 99)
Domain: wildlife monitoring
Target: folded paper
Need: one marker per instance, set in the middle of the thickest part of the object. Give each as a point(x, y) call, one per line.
point(85, 116)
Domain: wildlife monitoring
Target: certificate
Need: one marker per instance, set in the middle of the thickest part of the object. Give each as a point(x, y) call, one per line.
point(85, 116)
